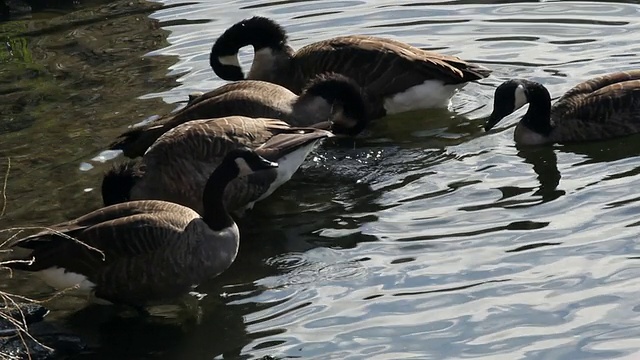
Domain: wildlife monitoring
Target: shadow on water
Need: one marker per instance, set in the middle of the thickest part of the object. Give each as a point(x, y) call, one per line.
point(545, 164)
point(69, 83)
point(435, 128)
point(606, 151)
point(218, 330)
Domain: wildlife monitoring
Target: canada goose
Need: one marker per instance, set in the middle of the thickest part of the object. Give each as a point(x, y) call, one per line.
point(330, 101)
point(398, 77)
point(149, 250)
point(604, 107)
point(175, 166)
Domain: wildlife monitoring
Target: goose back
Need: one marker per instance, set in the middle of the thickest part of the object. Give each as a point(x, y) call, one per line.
point(177, 163)
point(598, 86)
point(131, 237)
point(329, 101)
point(383, 66)
point(244, 98)
point(604, 107)
point(142, 251)
point(397, 76)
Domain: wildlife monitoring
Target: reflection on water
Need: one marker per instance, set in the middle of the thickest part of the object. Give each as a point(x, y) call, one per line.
point(424, 238)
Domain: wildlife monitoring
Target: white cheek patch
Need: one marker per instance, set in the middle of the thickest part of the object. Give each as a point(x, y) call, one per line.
point(520, 98)
point(229, 60)
point(243, 167)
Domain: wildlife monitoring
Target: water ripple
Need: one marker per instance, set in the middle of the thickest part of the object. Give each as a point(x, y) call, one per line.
point(426, 238)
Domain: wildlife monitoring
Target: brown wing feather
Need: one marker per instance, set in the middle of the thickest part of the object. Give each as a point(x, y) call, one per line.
point(245, 98)
point(381, 65)
point(204, 139)
point(181, 161)
point(573, 97)
point(610, 111)
point(123, 230)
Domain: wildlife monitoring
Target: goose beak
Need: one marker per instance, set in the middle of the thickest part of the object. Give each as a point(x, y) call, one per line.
point(492, 121)
point(266, 164)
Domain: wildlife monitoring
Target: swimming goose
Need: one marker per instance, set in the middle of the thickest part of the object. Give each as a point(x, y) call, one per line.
point(330, 101)
point(397, 76)
point(604, 107)
point(175, 167)
point(150, 250)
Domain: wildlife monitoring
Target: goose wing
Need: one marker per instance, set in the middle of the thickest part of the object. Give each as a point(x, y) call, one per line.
point(252, 98)
point(248, 189)
point(573, 98)
point(245, 98)
point(610, 111)
point(383, 66)
point(179, 163)
point(207, 139)
point(123, 230)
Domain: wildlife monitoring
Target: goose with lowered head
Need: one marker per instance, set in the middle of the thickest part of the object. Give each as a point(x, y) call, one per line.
point(141, 252)
point(175, 167)
point(601, 108)
point(330, 101)
point(396, 76)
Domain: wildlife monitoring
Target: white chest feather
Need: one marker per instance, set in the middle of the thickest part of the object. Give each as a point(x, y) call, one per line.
point(430, 94)
point(59, 279)
point(525, 136)
point(263, 63)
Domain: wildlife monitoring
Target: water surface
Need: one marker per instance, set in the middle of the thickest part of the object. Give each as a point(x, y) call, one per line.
point(424, 239)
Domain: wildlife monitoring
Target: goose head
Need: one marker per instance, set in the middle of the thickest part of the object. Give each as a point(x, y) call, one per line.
point(510, 96)
point(345, 100)
point(236, 163)
point(118, 182)
point(514, 94)
point(248, 161)
point(269, 41)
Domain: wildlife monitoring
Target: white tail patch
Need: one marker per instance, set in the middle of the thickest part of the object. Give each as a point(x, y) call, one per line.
point(520, 98)
point(60, 279)
point(428, 95)
point(287, 166)
point(229, 60)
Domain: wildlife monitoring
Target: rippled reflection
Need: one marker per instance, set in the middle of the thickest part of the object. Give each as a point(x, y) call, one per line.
point(425, 238)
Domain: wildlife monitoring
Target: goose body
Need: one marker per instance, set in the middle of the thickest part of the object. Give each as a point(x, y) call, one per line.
point(330, 101)
point(397, 77)
point(138, 252)
point(604, 107)
point(175, 166)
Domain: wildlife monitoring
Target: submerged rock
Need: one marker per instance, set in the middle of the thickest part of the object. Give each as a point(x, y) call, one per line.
point(56, 341)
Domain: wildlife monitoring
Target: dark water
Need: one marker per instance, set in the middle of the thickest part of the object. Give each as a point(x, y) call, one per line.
point(425, 239)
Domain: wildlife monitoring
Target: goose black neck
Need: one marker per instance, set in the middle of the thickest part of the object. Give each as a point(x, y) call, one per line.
point(118, 182)
point(538, 116)
point(260, 32)
point(215, 213)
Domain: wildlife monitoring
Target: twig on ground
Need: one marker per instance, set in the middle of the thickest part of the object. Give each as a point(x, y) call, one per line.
point(4, 188)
